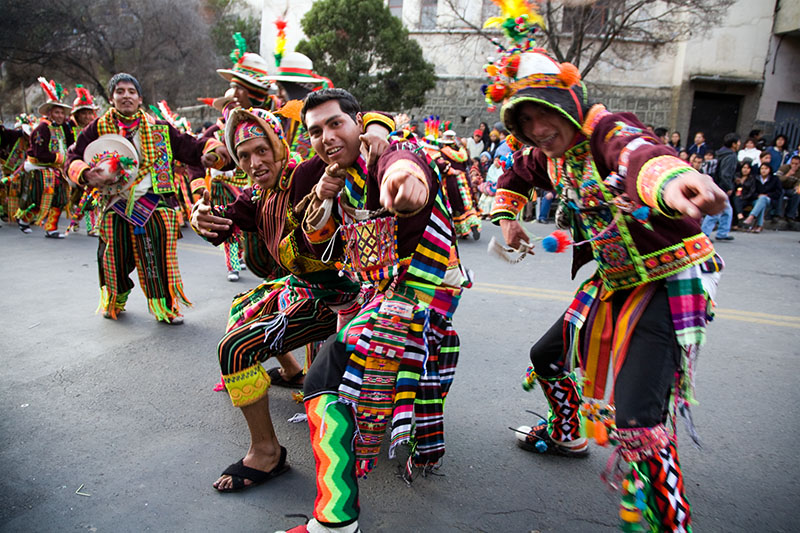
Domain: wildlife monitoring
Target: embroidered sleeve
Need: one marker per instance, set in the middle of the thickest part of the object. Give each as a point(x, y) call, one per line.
point(515, 185)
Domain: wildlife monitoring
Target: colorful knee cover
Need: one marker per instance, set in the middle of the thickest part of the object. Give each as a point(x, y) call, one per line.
point(231, 249)
point(654, 487)
point(51, 223)
point(332, 429)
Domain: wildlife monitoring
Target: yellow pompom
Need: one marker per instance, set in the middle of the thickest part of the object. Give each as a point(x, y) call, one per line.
point(491, 70)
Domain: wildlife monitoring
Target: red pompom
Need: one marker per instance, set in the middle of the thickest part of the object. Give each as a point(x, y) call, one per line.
point(497, 92)
point(569, 74)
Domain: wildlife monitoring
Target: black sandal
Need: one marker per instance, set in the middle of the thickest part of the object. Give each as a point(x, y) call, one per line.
point(295, 382)
point(239, 473)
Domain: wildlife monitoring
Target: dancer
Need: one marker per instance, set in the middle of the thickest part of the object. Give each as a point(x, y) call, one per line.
point(453, 164)
point(632, 205)
point(13, 147)
point(139, 229)
point(396, 359)
point(280, 315)
point(47, 153)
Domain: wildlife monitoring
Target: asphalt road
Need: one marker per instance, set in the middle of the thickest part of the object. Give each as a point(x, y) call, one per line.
point(114, 427)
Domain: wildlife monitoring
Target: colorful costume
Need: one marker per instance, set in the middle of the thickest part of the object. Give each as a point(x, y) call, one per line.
point(395, 361)
point(140, 230)
point(642, 315)
point(81, 204)
point(13, 146)
point(452, 164)
point(283, 314)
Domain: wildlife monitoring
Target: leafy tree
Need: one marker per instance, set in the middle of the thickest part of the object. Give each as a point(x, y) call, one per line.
point(361, 47)
point(232, 16)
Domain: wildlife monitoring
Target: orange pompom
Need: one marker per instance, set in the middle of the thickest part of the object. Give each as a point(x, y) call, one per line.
point(512, 66)
point(491, 70)
point(569, 74)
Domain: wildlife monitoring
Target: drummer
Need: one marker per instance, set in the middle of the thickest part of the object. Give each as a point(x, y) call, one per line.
point(139, 227)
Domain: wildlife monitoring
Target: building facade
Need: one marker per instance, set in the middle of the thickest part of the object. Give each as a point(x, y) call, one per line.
point(737, 75)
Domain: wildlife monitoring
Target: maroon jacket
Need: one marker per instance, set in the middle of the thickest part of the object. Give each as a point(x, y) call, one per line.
point(40, 149)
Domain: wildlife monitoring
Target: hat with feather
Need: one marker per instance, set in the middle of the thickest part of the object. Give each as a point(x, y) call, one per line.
point(527, 73)
point(54, 93)
point(83, 99)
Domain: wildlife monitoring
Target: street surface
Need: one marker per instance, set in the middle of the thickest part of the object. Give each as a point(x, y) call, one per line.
point(114, 427)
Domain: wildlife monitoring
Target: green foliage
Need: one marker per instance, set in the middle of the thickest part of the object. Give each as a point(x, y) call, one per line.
point(229, 21)
point(361, 47)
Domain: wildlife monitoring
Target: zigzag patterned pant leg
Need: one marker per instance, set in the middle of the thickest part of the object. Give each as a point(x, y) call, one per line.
point(565, 400)
point(666, 479)
point(332, 428)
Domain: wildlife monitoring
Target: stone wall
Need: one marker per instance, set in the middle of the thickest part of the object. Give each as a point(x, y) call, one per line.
point(461, 101)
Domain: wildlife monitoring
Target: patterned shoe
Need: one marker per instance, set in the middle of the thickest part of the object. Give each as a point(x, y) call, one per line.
point(536, 439)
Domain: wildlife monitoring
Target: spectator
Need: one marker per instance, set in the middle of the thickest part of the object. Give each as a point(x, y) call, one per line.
point(675, 141)
point(723, 173)
point(663, 134)
point(699, 147)
point(503, 149)
point(758, 137)
point(778, 151)
point(745, 193)
point(489, 187)
point(749, 151)
point(684, 155)
point(696, 161)
point(789, 175)
point(764, 158)
point(543, 206)
point(768, 192)
point(494, 142)
point(709, 165)
point(485, 162)
point(484, 127)
point(475, 144)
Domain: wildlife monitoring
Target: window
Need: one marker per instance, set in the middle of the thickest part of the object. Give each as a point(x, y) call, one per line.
point(427, 14)
point(595, 17)
point(396, 7)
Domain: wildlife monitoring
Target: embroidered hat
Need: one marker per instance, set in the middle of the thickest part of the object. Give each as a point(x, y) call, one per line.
point(115, 155)
point(249, 70)
point(448, 137)
point(251, 120)
point(525, 73)
point(83, 100)
point(54, 93)
point(25, 122)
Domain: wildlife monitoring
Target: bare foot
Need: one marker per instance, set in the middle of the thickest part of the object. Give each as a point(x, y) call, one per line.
point(259, 460)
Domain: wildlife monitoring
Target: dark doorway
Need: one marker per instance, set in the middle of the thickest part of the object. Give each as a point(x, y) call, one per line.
point(787, 121)
point(715, 114)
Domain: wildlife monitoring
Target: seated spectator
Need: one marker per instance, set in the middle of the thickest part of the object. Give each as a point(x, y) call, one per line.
point(543, 206)
point(789, 175)
point(749, 151)
point(675, 141)
point(699, 147)
point(768, 191)
point(745, 191)
point(709, 165)
point(494, 142)
point(778, 151)
point(683, 155)
point(696, 161)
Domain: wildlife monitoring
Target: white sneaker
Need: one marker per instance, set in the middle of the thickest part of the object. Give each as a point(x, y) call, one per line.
point(233, 275)
point(175, 321)
point(25, 228)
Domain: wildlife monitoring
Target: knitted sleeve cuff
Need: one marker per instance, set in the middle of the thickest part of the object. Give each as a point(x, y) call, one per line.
point(654, 175)
point(507, 205)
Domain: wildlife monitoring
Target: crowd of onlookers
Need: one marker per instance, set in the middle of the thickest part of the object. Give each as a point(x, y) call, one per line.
point(762, 179)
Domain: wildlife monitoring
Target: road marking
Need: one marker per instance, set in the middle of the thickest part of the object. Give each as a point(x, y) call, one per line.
point(203, 249)
point(752, 317)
